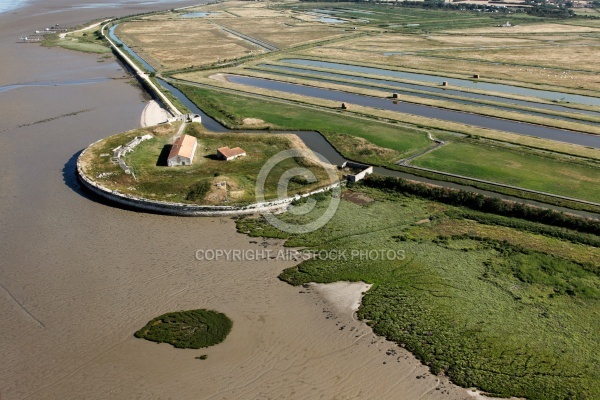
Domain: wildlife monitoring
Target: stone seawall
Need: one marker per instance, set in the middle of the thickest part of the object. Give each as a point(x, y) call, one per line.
point(181, 209)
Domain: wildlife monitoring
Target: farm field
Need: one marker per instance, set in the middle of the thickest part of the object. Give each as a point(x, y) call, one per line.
point(529, 60)
point(511, 312)
point(284, 31)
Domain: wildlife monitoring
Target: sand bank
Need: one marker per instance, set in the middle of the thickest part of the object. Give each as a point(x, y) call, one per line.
point(344, 297)
point(153, 114)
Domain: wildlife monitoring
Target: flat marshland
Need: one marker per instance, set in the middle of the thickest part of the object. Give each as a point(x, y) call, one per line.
point(173, 45)
point(510, 311)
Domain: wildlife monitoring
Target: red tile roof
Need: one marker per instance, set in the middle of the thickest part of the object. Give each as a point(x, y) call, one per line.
point(183, 146)
point(228, 153)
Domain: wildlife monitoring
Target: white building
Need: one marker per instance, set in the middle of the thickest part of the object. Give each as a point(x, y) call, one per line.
point(183, 151)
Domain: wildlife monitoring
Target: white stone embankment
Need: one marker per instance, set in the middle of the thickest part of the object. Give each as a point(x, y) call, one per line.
point(182, 209)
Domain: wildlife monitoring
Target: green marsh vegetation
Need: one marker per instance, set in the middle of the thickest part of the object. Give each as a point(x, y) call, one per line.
point(193, 329)
point(548, 172)
point(509, 310)
point(87, 41)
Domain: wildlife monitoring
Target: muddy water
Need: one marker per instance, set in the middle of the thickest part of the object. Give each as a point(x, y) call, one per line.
point(78, 277)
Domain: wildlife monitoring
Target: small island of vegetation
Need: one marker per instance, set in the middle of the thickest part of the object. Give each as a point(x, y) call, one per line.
point(193, 329)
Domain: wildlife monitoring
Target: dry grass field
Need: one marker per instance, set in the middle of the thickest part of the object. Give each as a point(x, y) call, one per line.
point(256, 10)
point(528, 29)
point(173, 45)
point(284, 31)
point(581, 57)
point(542, 60)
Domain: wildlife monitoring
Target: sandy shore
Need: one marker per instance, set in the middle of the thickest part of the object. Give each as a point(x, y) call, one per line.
point(344, 297)
point(153, 114)
point(79, 277)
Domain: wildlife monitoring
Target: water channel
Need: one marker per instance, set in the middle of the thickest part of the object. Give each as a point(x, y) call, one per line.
point(425, 111)
point(472, 84)
point(430, 89)
point(395, 85)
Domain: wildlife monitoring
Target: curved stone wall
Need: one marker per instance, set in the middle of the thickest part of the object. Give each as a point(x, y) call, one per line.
point(182, 209)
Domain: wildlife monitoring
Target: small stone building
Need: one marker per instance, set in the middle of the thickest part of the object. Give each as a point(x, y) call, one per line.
point(225, 153)
point(182, 152)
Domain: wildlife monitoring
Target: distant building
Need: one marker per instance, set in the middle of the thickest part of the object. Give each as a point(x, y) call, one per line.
point(225, 153)
point(186, 118)
point(355, 171)
point(182, 152)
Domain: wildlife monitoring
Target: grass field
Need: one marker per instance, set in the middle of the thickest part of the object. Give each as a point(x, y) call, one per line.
point(383, 144)
point(517, 65)
point(284, 31)
point(559, 175)
point(198, 183)
point(338, 127)
point(174, 44)
point(87, 42)
point(513, 320)
point(193, 329)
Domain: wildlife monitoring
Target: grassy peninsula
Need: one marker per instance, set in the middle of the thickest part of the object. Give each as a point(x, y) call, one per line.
point(209, 180)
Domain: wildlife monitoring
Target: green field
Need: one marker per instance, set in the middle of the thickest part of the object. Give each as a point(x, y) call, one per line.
point(193, 329)
point(551, 174)
point(409, 19)
point(87, 42)
point(377, 143)
point(511, 312)
point(337, 127)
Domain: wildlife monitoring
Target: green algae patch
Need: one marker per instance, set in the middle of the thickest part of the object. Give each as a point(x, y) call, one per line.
point(193, 329)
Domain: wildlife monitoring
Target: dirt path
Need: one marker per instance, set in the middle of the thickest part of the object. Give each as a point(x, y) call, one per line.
point(64, 34)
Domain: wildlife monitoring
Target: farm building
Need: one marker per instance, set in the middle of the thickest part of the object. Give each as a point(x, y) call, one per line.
point(182, 152)
point(225, 153)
